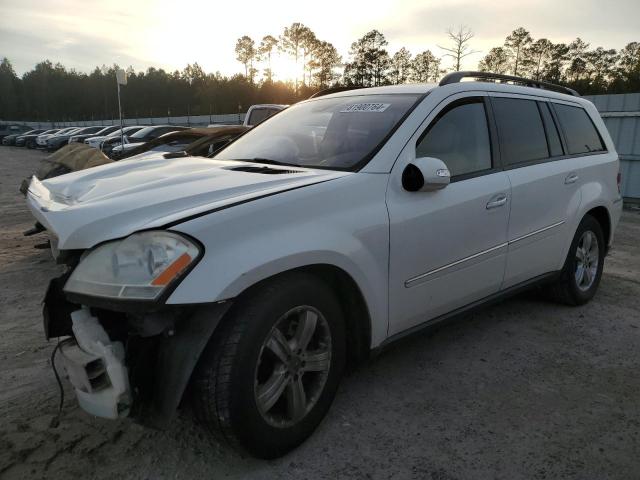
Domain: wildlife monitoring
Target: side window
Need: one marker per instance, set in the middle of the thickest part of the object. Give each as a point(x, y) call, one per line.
point(580, 132)
point(520, 130)
point(553, 137)
point(459, 137)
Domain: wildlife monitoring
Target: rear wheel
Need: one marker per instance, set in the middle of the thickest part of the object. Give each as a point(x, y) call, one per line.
point(583, 267)
point(270, 373)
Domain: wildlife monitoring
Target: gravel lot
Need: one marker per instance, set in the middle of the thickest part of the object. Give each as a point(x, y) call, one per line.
point(525, 389)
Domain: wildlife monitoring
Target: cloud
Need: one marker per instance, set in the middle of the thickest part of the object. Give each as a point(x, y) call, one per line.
point(492, 21)
point(77, 51)
point(170, 34)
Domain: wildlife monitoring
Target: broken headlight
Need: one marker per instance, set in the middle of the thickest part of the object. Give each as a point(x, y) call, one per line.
point(138, 267)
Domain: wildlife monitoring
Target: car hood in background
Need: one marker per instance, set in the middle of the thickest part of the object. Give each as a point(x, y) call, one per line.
point(84, 208)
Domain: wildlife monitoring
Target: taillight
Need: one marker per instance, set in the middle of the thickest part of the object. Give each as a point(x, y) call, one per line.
point(619, 180)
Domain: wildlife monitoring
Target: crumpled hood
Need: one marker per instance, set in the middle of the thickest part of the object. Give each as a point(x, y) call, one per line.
point(84, 208)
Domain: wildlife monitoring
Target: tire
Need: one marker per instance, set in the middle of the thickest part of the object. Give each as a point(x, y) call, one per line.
point(231, 395)
point(574, 288)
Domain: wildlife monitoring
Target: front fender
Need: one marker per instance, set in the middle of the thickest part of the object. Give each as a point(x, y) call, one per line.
point(342, 223)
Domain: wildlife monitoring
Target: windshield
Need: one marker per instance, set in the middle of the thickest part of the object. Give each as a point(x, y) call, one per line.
point(88, 130)
point(106, 130)
point(144, 132)
point(336, 133)
point(125, 130)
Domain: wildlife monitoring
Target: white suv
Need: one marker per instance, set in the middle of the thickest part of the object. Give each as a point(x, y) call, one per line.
point(318, 237)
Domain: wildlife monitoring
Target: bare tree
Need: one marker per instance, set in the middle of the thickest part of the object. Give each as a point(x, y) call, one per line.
point(460, 47)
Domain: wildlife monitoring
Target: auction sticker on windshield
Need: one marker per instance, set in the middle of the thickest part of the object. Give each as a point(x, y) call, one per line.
point(365, 107)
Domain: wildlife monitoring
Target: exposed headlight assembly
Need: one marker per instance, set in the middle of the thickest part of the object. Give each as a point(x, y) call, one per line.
point(138, 267)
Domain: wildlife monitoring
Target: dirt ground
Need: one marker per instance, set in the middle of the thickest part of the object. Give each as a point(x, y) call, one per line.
point(525, 389)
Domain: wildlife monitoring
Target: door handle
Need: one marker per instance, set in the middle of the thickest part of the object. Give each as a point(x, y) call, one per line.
point(571, 178)
point(497, 201)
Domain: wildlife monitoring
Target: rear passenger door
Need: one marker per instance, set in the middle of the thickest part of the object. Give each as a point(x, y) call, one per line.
point(544, 185)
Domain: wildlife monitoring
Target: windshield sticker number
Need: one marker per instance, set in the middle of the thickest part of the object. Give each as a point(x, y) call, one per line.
point(365, 107)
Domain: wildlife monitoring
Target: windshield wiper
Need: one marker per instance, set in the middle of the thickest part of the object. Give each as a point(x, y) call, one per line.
point(267, 161)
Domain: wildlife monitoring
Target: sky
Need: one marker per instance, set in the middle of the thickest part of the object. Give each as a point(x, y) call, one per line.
point(82, 34)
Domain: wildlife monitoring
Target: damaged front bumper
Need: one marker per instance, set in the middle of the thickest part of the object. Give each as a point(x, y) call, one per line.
point(129, 363)
point(96, 367)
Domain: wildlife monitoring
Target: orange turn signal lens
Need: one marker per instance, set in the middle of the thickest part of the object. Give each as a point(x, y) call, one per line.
point(172, 271)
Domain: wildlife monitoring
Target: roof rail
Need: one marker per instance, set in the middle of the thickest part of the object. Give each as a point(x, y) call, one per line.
point(327, 91)
point(456, 77)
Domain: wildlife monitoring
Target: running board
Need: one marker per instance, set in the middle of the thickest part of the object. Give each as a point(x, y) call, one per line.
point(454, 314)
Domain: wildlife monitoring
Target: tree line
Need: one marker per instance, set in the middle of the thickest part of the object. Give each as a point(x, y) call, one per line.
point(51, 92)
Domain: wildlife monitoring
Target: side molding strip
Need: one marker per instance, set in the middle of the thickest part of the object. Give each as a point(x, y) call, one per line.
point(412, 281)
point(557, 224)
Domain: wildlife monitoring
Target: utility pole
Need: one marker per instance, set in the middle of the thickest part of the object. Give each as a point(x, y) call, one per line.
point(121, 79)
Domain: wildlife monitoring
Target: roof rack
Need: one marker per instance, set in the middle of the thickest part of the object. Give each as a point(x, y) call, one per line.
point(327, 91)
point(456, 77)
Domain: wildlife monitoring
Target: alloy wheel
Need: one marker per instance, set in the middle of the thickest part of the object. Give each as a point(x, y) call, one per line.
point(587, 260)
point(293, 366)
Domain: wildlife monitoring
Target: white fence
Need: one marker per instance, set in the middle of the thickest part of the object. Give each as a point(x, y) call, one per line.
point(188, 121)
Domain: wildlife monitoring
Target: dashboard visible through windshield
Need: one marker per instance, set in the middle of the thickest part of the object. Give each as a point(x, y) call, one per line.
point(335, 133)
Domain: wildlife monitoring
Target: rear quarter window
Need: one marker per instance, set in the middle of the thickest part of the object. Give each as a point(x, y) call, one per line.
point(580, 133)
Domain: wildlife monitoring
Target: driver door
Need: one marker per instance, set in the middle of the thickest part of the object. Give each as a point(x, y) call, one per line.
point(448, 247)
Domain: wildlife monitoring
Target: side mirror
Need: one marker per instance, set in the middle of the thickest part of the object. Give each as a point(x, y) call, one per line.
point(425, 174)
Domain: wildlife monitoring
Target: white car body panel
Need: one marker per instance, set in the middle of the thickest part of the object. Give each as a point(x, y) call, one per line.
point(393, 243)
point(342, 222)
point(446, 249)
point(126, 147)
point(87, 207)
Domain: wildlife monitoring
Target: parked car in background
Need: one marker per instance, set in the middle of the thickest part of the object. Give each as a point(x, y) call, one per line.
point(28, 137)
point(257, 114)
point(181, 141)
point(41, 140)
point(346, 222)
point(10, 140)
point(90, 132)
point(113, 137)
point(142, 136)
point(12, 129)
point(61, 139)
point(192, 142)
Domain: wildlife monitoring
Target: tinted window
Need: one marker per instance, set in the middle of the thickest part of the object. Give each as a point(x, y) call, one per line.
point(460, 138)
point(520, 130)
point(553, 138)
point(580, 133)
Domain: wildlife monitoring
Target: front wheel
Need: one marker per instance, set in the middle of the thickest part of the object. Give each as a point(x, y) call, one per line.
point(271, 372)
point(583, 267)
